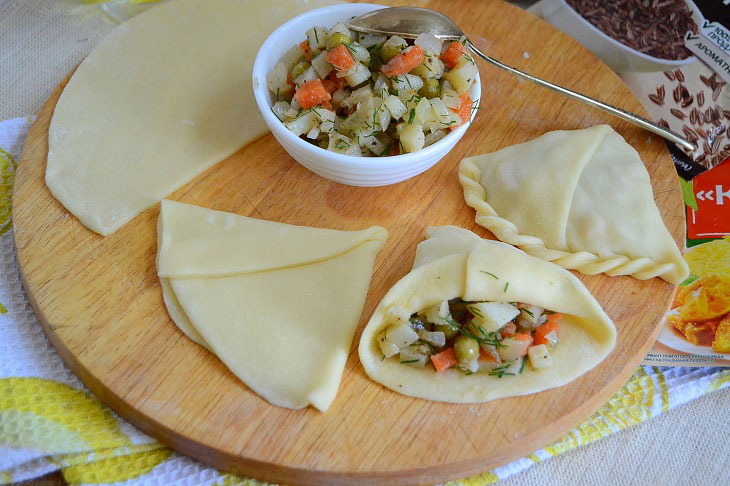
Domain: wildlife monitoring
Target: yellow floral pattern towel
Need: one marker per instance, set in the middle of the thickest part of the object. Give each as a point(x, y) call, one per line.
point(50, 421)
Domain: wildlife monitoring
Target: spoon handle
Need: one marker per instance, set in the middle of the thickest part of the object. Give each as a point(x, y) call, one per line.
point(631, 117)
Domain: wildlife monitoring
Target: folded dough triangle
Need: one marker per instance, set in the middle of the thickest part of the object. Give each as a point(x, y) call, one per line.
point(587, 333)
point(277, 303)
point(579, 198)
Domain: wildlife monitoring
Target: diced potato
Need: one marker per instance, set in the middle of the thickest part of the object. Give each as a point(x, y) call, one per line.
point(276, 82)
point(431, 67)
point(412, 355)
point(387, 347)
point(472, 365)
point(360, 53)
point(514, 347)
point(308, 75)
point(407, 83)
point(492, 316)
point(437, 338)
point(395, 106)
point(292, 57)
point(343, 144)
point(369, 40)
point(357, 75)
point(323, 114)
point(530, 316)
point(302, 124)
point(421, 111)
point(463, 76)
point(412, 137)
point(401, 335)
point(433, 137)
point(514, 367)
point(539, 356)
point(341, 28)
point(450, 98)
point(429, 43)
point(321, 66)
point(437, 313)
point(280, 108)
point(397, 315)
point(382, 115)
point(316, 37)
point(313, 133)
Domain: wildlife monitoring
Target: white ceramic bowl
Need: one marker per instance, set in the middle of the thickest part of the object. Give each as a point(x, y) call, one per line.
point(618, 56)
point(347, 169)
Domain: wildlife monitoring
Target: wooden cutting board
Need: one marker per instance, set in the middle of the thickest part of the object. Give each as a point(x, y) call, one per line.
point(100, 302)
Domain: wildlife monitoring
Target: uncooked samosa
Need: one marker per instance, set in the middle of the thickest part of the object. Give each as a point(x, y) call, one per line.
point(477, 320)
point(579, 198)
point(277, 303)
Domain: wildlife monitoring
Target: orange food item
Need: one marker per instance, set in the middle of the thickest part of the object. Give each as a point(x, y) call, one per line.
point(721, 343)
point(464, 110)
point(712, 302)
point(452, 54)
point(444, 360)
point(404, 62)
point(550, 325)
point(306, 50)
point(701, 333)
point(340, 58)
point(508, 330)
point(312, 93)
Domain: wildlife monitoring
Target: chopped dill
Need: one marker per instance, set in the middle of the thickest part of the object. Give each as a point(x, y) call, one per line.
point(490, 274)
point(412, 116)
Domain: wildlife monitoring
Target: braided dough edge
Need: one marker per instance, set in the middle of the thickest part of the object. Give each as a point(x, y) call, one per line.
point(582, 261)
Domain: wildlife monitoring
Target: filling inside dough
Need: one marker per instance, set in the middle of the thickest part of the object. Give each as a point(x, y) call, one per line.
point(476, 320)
point(495, 337)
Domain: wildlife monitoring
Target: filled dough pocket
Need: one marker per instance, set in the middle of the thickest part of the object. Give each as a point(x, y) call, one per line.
point(477, 320)
point(579, 198)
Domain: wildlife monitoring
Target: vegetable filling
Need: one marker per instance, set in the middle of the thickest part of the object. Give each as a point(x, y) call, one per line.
point(372, 95)
point(497, 338)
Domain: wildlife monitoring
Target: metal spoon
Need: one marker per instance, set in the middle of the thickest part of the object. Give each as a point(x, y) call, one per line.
point(408, 22)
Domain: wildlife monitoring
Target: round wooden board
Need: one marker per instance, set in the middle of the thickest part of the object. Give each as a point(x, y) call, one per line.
point(100, 302)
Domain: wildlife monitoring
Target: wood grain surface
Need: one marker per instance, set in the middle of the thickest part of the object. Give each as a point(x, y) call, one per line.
point(100, 302)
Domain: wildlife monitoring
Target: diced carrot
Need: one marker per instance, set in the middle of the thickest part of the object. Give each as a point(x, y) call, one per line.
point(444, 360)
point(464, 110)
point(550, 325)
point(332, 83)
point(312, 93)
point(340, 58)
point(520, 305)
point(404, 62)
point(394, 149)
point(485, 357)
point(520, 336)
point(452, 54)
point(290, 82)
point(306, 50)
point(508, 330)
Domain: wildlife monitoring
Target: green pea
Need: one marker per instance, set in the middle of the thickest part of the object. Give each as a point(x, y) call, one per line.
point(430, 89)
point(388, 52)
point(337, 38)
point(449, 330)
point(466, 349)
point(299, 69)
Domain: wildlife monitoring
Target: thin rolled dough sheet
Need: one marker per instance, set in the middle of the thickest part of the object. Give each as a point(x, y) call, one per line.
point(453, 262)
point(277, 303)
point(162, 98)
